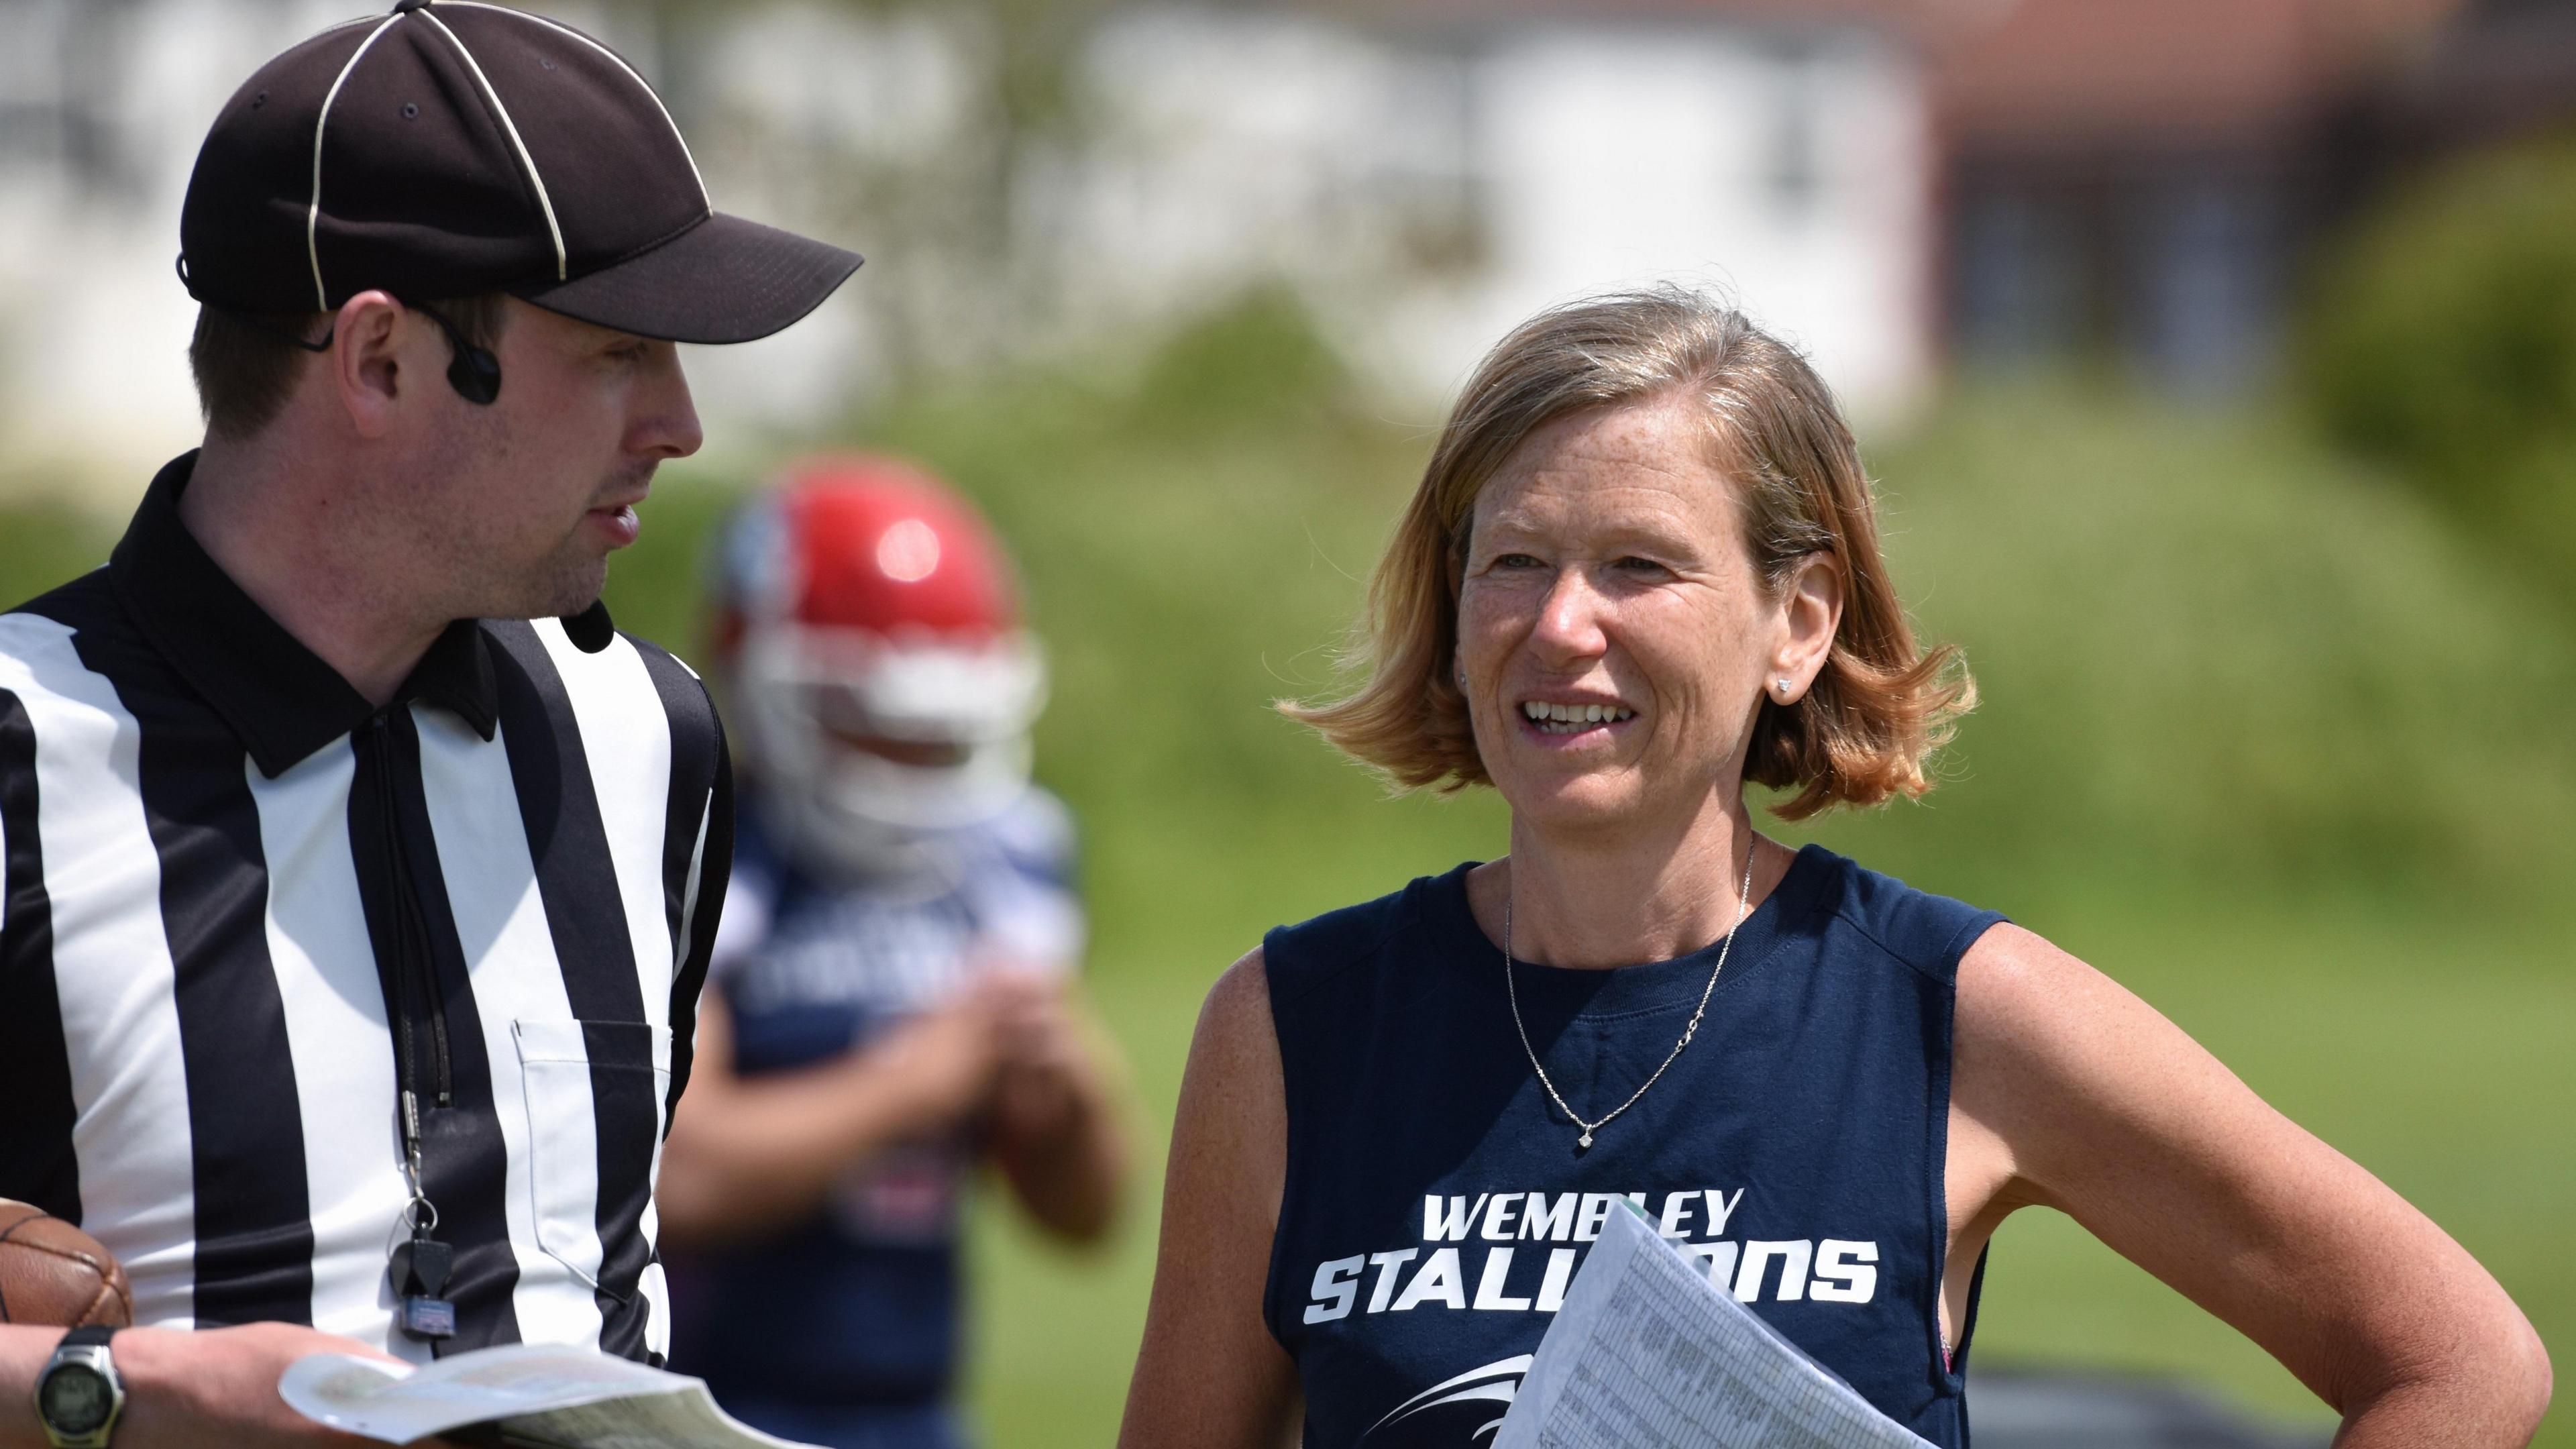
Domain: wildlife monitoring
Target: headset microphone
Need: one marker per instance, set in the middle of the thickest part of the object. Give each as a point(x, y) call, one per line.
point(475, 373)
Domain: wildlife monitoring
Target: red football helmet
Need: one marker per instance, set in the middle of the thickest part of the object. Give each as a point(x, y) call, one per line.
point(869, 633)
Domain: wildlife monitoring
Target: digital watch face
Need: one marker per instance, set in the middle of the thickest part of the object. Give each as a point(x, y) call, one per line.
point(76, 1400)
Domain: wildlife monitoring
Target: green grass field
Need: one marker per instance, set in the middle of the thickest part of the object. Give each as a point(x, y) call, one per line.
point(2260, 738)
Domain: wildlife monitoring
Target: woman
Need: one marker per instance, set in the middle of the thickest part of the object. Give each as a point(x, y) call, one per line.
point(1642, 569)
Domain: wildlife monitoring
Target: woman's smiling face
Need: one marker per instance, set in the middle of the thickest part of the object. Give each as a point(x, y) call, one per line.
point(1614, 632)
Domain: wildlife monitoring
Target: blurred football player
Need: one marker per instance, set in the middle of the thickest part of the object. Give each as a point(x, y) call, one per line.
point(891, 1002)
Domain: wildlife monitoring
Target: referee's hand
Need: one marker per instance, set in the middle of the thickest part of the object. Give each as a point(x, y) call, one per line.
point(188, 1390)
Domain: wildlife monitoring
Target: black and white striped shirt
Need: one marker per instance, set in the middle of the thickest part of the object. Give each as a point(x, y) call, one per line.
point(235, 893)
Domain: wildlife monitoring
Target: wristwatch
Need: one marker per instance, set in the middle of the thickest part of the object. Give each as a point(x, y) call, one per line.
point(78, 1395)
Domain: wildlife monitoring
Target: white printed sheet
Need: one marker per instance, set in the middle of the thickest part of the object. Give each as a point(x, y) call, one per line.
point(519, 1396)
point(1648, 1354)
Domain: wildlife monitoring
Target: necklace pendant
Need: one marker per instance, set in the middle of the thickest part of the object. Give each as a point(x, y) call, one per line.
point(1583, 1141)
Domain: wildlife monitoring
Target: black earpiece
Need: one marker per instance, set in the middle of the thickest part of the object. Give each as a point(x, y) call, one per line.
point(476, 373)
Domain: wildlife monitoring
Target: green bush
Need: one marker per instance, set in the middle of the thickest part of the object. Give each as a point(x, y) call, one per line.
point(2210, 651)
point(2440, 341)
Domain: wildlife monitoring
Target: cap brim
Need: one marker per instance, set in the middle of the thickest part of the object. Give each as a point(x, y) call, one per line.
point(723, 280)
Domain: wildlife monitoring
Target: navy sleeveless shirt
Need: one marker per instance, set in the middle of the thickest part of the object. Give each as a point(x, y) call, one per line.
point(1436, 1206)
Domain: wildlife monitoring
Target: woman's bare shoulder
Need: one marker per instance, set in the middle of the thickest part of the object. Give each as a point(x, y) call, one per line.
point(1233, 1097)
point(2035, 1023)
point(2029, 1004)
point(2088, 1086)
point(1235, 1019)
point(1243, 987)
point(2012, 973)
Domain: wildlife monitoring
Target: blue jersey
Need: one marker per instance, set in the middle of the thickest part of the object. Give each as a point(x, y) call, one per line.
point(1437, 1206)
point(858, 1306)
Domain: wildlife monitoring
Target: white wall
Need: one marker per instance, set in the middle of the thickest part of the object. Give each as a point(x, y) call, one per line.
point(1790, 170)
point(1795, 180)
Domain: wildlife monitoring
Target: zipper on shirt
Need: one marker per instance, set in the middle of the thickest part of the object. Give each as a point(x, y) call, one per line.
point(415, 1003)
point(418, 1270)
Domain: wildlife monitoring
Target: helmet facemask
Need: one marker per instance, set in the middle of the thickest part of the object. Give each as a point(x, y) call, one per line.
point(869, 750)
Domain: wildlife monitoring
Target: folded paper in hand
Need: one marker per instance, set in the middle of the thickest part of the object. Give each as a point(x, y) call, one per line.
point(517, 1396)
point(1646, 1351)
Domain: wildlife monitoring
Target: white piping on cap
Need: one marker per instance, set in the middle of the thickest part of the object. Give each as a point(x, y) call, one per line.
point(620, 62)
point(544, 202)
point(313, 213)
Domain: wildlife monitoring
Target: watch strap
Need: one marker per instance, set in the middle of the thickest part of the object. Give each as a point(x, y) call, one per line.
point(93, 1335)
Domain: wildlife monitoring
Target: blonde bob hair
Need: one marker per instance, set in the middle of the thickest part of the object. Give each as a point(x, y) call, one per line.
point(1880, 706)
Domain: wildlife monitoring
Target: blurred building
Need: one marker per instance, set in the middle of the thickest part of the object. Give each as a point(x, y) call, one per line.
point(2500, 69)
point(1896, 185)
point(2139, 179)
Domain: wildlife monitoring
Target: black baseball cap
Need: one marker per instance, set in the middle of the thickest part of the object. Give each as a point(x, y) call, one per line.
point(453, 148)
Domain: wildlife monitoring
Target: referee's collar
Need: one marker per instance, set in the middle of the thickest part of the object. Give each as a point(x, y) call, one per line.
point(276, 694)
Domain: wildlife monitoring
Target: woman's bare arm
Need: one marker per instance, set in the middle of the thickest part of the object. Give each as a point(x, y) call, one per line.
point(1210, 1375)
point(2102, 1108)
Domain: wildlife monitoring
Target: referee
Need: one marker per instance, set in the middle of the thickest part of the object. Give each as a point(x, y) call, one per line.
point(359, 877)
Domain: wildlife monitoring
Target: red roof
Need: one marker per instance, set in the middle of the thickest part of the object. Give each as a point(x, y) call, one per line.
point(1903, 16)
point(2064, 71)
point(2073, 71)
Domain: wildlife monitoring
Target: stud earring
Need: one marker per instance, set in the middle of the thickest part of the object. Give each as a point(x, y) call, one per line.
point(1784, 691)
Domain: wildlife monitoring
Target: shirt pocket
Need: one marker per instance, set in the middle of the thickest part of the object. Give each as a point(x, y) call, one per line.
point(572, 1075)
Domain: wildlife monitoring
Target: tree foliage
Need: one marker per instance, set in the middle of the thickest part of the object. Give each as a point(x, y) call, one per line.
point(2441, 342)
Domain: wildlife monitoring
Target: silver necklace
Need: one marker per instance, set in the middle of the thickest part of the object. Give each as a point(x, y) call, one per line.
point(1743, 905)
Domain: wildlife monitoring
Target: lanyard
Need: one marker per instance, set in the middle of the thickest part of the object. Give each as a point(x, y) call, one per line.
point(418, 1267)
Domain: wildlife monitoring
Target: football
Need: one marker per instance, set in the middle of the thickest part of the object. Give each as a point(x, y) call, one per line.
point(54, 1274)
